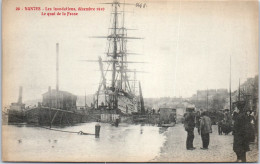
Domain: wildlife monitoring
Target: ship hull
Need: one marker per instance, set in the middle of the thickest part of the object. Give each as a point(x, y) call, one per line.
point(47, 116)
point(15, 116)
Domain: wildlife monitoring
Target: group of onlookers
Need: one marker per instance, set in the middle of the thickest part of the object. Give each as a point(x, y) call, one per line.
point(225, 123)
point(242, 123)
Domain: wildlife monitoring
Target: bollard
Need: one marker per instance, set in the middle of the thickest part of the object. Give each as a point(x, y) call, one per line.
point(97, 130)
point(117, 122)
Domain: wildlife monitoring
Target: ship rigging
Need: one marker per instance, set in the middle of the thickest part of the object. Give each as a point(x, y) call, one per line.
point(116, 86)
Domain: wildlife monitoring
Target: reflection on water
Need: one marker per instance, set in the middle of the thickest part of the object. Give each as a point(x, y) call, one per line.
point(123, 143)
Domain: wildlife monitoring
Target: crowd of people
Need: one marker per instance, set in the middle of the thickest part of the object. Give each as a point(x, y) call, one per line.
point(241, 123)
point(224, 122)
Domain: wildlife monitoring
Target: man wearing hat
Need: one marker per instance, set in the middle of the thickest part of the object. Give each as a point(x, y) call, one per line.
point(241, 144)
point(189, 125)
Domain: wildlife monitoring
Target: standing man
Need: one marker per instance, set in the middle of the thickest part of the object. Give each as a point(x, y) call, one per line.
point(220, 122)
point(205, 127)
point(189, 125)
point(241, 144)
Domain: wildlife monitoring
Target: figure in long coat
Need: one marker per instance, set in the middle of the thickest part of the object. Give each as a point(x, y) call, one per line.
point(189, 125)
point(240, 144)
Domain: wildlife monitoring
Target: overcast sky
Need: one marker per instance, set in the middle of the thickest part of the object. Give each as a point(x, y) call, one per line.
point(187, 46)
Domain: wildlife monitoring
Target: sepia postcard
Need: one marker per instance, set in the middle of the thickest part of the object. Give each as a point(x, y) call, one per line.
point(130, 81)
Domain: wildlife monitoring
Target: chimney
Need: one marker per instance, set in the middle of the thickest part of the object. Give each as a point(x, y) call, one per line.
point(57, 67)
point(20, 98)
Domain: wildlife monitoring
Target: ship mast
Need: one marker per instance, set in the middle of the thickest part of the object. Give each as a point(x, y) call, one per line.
point(116, 59)
point(122, 50)
point(115, 48)
point(114, 96)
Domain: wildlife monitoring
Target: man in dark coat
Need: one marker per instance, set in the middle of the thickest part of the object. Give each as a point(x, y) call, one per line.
point(220, 122)
point(220, 125)
point(241, 144)
point(189, 125)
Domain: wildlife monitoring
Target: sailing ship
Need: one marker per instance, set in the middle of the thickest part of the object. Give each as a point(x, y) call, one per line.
point(114, 100)
point(116, 95)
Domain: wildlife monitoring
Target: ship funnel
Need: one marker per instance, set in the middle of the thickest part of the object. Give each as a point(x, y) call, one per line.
point(20, 98)
point(57, 67)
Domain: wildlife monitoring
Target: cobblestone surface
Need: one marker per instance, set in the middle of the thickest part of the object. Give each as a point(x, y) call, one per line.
point(220, 148)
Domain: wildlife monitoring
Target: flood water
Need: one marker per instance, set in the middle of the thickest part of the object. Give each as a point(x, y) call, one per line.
point(123, 143)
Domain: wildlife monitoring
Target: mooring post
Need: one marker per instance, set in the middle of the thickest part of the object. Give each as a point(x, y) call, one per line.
point(97, 130)
point(117, 122)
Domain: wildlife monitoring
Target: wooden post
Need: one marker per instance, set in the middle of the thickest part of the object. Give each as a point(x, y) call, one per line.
point(97, 130)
